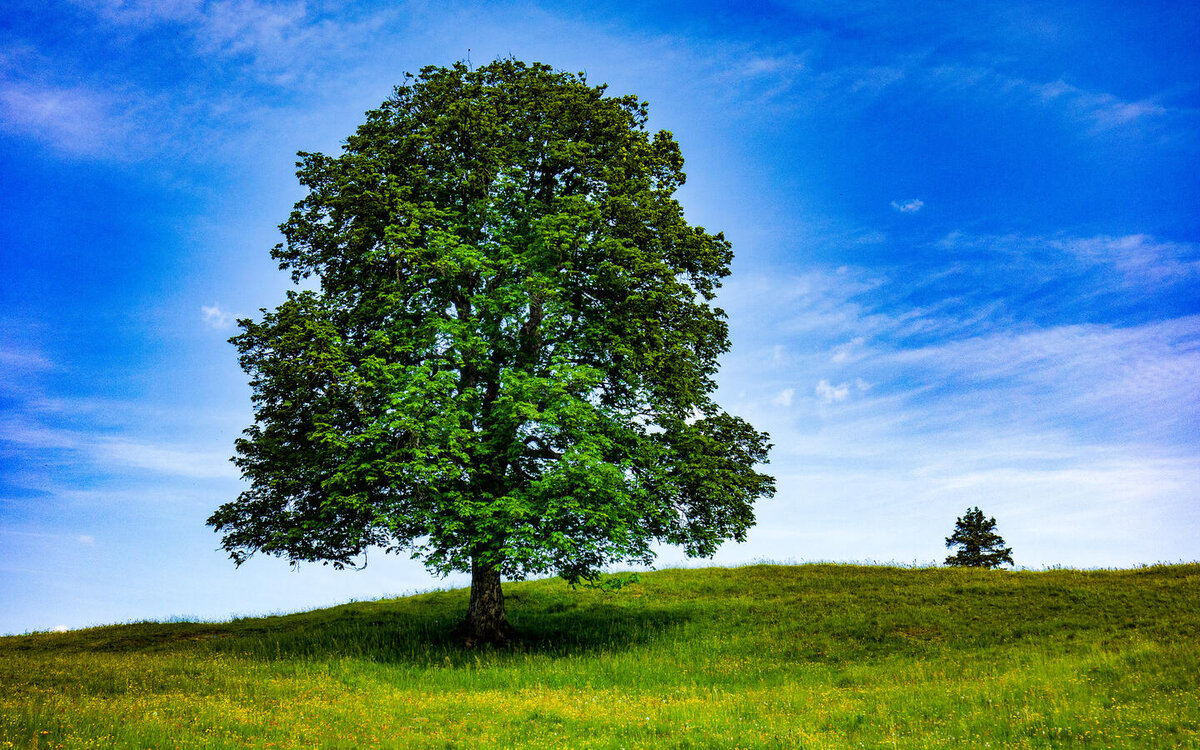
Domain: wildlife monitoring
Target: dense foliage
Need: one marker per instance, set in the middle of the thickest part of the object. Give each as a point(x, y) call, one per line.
point(508, 364)
point(979, 544)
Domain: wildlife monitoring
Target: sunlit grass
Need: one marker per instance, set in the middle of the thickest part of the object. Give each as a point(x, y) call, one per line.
point(764, 656)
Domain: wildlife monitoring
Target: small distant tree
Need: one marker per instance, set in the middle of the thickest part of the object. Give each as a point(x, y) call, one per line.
point(979, 544)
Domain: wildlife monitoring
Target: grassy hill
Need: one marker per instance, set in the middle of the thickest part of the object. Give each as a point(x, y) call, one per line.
point(762, 656)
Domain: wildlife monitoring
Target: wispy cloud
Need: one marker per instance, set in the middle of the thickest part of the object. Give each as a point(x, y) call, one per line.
point(831, 393)
point(1101, 111)
point(1105, 110)
point(181, 461)
point(239, 63)
point(277, 42)
point(217, 318)
point(99, 117)
point(845, 352)
point(50, 442)
point(143, 12)
point(13, 359)
point(943, 356)
point(910, 206)
point(108, 454)
point(828, 393)
point(1139, 258)
point(815, 78)
point(1094, 264)
point(76, 119)
point(1114, 383)
point(252, 57)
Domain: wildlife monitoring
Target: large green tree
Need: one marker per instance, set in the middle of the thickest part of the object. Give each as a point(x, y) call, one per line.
point(508, 364)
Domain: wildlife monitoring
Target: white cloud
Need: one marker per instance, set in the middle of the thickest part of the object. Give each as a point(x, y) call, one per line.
point(784, 397)
point(771, 83)
point(86, 539)
point(60, 629)
point(818, 300)
point(18, 369)
point(1105, 110)
point(280, 43)
point(1129, 378)
point(241, 62)
point(184, 461)
point(1110, 112)
point(756, 66)
point(1102, 110)
point(1095, 265)
point(76, 119)
point(963, 367)
point(267, 31)
point(217, 318)
point(842, 352)
point(108, 452)
point(910, 206)
point(19, 360)
point(1138, 257)
point(831, 393)
point(142, 12)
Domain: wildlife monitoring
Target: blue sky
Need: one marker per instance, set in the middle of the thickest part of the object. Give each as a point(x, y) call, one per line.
point(967, 272)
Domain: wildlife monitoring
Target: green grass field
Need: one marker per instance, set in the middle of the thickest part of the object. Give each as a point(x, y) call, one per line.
point(764, 656)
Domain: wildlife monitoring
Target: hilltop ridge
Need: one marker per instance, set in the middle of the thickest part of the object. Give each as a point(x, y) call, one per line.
point(758, 656)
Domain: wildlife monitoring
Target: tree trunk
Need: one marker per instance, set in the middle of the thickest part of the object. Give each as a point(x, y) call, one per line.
point(485, 621)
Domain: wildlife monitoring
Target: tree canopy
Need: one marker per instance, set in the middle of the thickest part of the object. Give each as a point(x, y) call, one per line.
point(979, 544)
point(507, 367)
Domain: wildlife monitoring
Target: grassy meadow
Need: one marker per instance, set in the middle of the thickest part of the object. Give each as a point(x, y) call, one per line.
point(809, 656)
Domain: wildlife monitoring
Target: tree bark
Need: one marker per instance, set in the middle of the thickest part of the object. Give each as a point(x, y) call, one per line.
point(486, 621)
